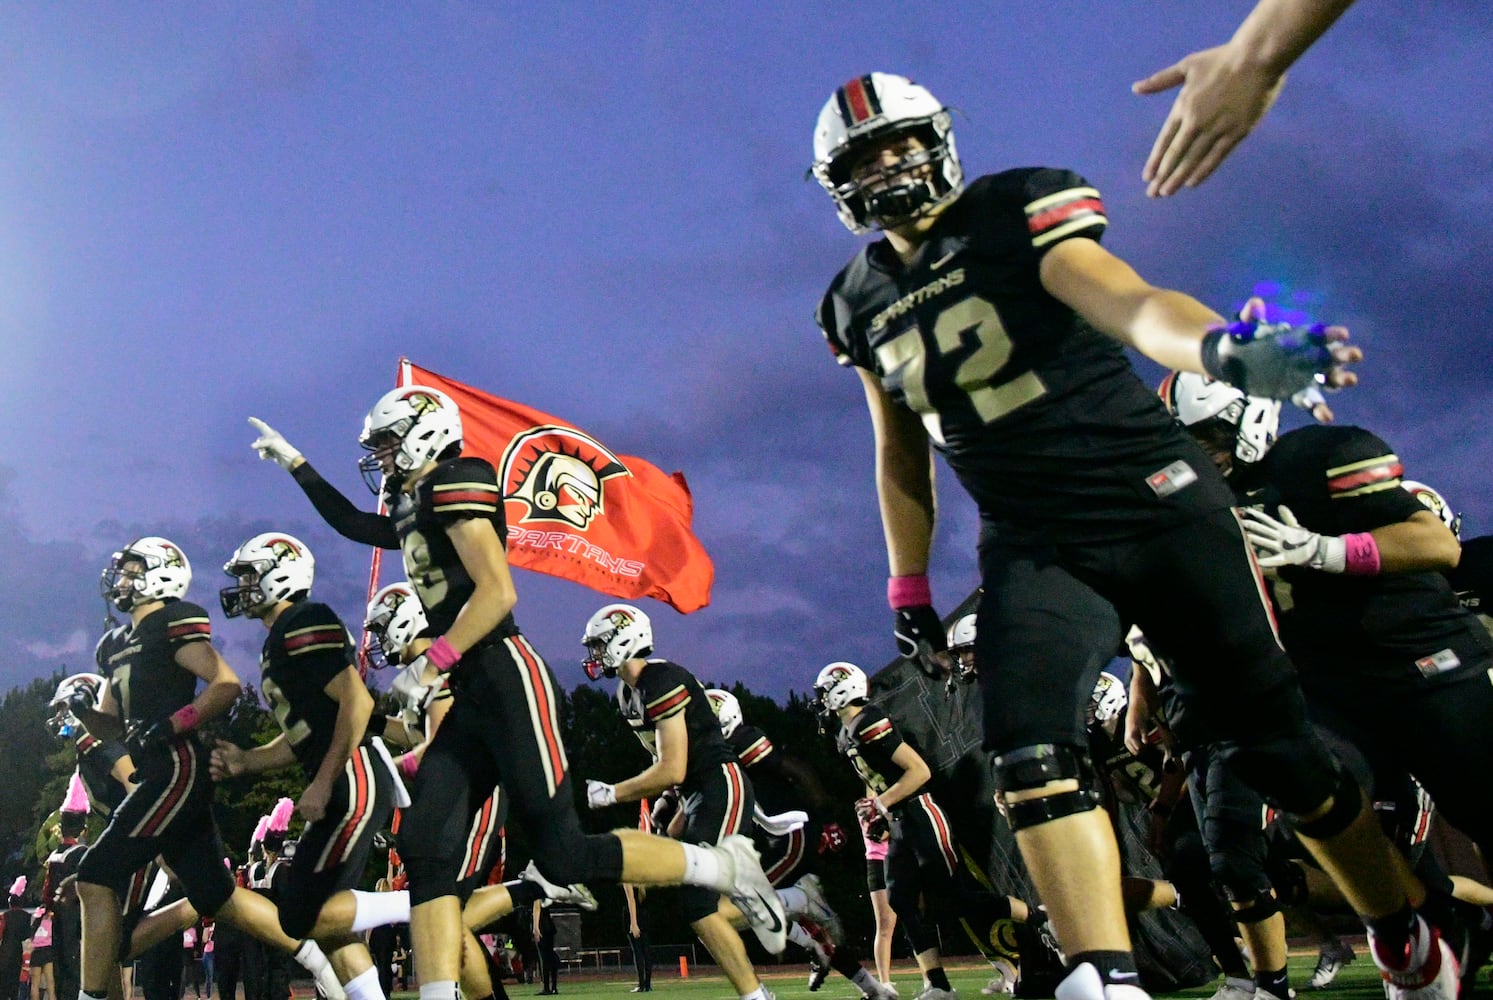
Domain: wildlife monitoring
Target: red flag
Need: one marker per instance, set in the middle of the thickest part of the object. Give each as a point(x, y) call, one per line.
point(575, 509)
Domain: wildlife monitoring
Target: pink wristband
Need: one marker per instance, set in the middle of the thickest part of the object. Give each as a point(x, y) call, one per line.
point(1363, 554)
point(185, 718)
point(442, 655)
point(408, 765)
point(908, 591)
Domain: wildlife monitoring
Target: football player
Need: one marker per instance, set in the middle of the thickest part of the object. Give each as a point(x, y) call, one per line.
point(668, 711)
point(152, 667)
point(397, 624)
point(446, 516)
point(1390, 660)
point(318, 697)
point(782, 783)
point(924, 880)
point(990, 323)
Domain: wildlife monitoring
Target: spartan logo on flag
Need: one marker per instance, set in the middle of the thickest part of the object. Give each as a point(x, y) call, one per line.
point(559, 474)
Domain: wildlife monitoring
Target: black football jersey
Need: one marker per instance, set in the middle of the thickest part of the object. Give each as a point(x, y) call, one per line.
point(1040, 415)
point(96, 760)
point(868, 741)
point(1395, 627)
point(140, 663)
point(666, 689)
point(1472, 578)
point(456, 489)
point(775, 793)
point(308, 646)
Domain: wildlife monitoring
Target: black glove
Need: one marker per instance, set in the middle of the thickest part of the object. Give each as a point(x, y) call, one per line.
point(1264, 359)
point(154, 737)
point(920, 634)
point(382, 841)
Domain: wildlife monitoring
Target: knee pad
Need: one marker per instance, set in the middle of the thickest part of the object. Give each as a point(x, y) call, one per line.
point(1347, 803)
point(1035, 767)
point(1286, 763)
point(1252, 908)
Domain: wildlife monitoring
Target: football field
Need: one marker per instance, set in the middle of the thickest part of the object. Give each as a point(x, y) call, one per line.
point(1358, 981)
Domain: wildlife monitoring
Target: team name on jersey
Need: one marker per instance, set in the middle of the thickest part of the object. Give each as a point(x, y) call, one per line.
point(917, 297)
point(127, 651)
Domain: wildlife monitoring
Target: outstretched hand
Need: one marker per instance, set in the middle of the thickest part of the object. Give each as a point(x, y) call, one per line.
point(271, 444)
point(1223, 97)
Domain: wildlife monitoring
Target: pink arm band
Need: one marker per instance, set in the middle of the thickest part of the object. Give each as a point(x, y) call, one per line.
point(185, 718)
point(1363, 554)
point(408, 765)
point(442, 655)
point(908, 591)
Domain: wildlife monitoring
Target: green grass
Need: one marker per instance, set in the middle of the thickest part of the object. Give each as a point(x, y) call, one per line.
point(1358, 981)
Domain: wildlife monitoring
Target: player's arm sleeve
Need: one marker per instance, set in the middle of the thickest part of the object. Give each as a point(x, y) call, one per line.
point(878, 734)
point(189, 623)
point(1055, 205)
point(833, 318)
point(338, 511)
point(1362, 476)
point(667, 696)
point(318, 645)
point(465, 489)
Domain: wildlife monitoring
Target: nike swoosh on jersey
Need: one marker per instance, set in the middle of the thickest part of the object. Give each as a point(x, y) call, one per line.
point(942, 260)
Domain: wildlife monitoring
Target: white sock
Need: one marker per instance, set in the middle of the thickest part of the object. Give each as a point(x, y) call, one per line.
point(864, 980)
point(1081, 983)
point(375, 909)
point(795, 902)
point(364, 986)
point(702, 867)
point(800, 937)
point(311, 957)
point(760, 993)
point(444, 989)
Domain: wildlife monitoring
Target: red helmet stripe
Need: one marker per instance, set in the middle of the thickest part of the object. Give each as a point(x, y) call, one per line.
point(858, 101)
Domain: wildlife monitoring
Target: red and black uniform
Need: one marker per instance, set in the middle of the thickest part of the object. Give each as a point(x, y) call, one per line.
point(921, 857)
point(307, 649)
point(504, 723)
point(1096, 507)
point(169, 814)
point(716, 795)
point(1391, 662)
point(787, 857)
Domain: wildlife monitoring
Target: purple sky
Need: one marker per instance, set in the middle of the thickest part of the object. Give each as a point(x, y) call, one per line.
point(212, 213)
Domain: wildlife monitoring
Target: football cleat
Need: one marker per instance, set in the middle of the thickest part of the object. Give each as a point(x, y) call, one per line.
point(1003, 983)
point(1235, 989)
point(752, 893)
point(1330, 961)
point(575, 894)
point(818, 971)
point(1427, 970)
point(819, 910)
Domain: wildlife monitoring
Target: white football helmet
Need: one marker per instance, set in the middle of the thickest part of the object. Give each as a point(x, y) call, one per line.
point(1109, 697)
point(1195, 399)
point(962, 646)
point(727, 709)
point(164, 573)
point(63, 724)
point(860, 115)
point(615, 634)
point(1436, 504)
point(395, 617)
point(411, 425)
point(270, 567)
point(839, 684)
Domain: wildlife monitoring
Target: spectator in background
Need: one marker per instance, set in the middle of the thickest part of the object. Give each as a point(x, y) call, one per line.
point(637, 939)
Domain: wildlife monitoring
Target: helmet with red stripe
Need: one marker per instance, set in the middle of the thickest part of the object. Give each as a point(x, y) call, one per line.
point(876, 112)
point(615, 634)
point(147, 569)
point(1225, 421)
point(270, 567)
point(727, 709)
point(395, 618)
point(408, 427)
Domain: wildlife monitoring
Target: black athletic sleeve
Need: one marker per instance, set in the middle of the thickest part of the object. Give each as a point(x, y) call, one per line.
point(338, 511)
